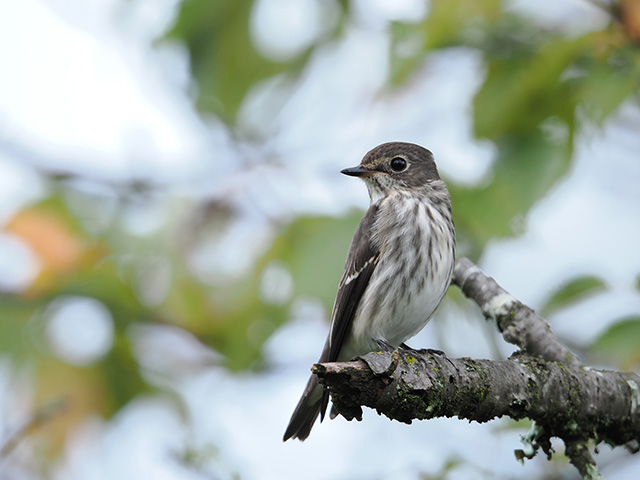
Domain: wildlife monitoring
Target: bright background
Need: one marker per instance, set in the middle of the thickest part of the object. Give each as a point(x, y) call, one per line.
point(173, 223)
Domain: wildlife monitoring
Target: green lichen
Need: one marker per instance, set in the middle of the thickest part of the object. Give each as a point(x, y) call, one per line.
point(593, 473)
point(573, 426)
point(635, 394)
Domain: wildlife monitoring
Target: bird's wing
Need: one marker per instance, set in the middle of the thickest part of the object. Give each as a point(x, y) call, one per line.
point(361, 262)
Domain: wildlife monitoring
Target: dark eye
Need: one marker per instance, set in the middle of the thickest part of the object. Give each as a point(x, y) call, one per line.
point(398, 164)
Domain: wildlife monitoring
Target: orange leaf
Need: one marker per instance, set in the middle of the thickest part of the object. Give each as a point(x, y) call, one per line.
point(52, 240)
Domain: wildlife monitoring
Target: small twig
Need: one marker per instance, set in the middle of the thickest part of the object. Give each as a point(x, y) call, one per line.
point(581, 458)
point(41, 416)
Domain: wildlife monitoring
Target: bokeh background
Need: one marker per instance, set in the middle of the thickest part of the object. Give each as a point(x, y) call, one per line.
point(173, 225)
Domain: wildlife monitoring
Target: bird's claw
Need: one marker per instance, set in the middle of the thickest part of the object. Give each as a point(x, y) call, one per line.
point(425, 351)
point(405, 351)
point(384, 346)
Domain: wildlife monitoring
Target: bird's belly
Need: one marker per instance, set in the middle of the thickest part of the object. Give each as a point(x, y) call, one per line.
point(397, 305)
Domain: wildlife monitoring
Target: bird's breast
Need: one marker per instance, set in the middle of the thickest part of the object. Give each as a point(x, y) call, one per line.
point(417, 248)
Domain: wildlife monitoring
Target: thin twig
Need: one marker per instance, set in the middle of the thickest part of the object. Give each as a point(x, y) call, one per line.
point(41, 416)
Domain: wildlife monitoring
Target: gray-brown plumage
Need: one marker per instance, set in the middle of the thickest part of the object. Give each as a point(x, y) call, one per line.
point(398, 267)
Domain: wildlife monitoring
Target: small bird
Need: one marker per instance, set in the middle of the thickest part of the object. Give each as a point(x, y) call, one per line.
point(398, 267)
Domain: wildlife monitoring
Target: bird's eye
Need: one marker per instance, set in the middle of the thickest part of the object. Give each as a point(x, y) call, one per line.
point(398, 164)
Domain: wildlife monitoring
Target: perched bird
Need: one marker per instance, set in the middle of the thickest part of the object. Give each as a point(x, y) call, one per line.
point(398, 267)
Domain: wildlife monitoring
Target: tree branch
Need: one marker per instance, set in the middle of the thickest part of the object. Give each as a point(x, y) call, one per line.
point(41, 416)
point(568, 404)
point(517, 322)
point(544, 382)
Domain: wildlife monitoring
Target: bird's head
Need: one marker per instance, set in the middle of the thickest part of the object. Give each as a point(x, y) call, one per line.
point(395, 167)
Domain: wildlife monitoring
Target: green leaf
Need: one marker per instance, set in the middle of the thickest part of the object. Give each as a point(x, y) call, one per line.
point(18, 334)
point(521, 91)
point(445, 26)
point(224, 61)
point(120, 373)
point(407, 51)
point(448, 24)
point(571, 292)
point(315, 248)
point(526, 167)
point(607, 80)
point(620, 342)
point(313, 251)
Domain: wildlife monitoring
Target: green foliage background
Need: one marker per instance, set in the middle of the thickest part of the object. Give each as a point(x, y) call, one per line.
point(541, 87)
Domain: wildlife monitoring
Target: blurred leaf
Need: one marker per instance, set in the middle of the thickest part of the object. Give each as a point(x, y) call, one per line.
point(447, 25)
point(99, 389)
point(549, 77)
point(520, 92)
point(448, 19)
point(101, 280)
point(629, 12)
point(607, 78)
point(81, 388)
point(17, 334)
point(223, 59)
point(190, 305)
point(313, 250)
point(449, 466)
point(120, 373)
point(53, 236)
point(572, 291)
point(407, 54)
point(620, 342)
point(527, 166)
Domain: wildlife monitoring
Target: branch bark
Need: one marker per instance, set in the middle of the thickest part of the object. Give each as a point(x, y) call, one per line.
point(544, 381)
point(517, 322)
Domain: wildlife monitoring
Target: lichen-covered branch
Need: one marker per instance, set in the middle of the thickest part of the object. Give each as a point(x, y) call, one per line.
point(545, 382)
point(570, 404)
point(520, 326)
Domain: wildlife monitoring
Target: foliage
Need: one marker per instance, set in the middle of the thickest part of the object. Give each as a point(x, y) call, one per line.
point(572, 291)
point(620, 342)
point(539, 88)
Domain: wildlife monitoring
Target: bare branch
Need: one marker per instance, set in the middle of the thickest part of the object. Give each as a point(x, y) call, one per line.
point(518, 323)
point(566, 403)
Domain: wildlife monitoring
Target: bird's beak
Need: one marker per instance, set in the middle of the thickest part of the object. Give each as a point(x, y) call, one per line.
point(358, 172)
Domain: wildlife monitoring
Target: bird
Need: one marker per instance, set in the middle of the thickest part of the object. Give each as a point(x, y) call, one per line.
point(398, 267)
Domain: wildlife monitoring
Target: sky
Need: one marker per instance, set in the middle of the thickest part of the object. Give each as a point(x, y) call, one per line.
point(89, 91)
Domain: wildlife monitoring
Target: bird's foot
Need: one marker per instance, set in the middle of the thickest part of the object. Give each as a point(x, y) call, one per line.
point(409, 354)
point(403, 351)
point(425, 351)
point(384, 346)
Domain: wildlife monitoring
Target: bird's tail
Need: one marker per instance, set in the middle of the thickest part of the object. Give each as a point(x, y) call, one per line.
point(313, 402)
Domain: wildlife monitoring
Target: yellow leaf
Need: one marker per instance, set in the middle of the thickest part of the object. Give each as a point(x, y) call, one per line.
point(81, 390)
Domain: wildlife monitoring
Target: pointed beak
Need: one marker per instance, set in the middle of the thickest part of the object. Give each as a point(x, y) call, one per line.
point(358, 172)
